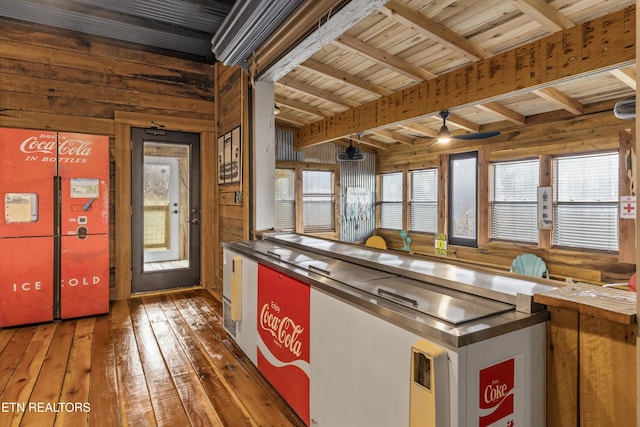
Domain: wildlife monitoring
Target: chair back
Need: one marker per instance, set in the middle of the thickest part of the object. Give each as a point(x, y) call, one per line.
point(530, 265)
point(376, 242)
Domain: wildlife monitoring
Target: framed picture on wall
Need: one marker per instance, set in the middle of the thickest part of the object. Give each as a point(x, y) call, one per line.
point(230, 157)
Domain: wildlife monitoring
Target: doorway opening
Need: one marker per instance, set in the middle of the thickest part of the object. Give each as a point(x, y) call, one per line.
point(165, 201)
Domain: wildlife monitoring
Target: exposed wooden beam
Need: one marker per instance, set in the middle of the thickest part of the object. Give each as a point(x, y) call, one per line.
point(394, 136)
point(314, 91)
point(359, 47)
point(346, 78)
point(371, 142)
point(297, 121)
point(560, 99)
point(462, 123)
point(327, 23)
point(433, 30)
point(301, 106)
point(418, 128)
point(626, 75)
point(545, 14)
point(504, 112)
point(487, 81)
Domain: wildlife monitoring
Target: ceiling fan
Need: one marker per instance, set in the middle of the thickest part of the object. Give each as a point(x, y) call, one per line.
point(444, 134)
point(625, 108)
point(351, 153)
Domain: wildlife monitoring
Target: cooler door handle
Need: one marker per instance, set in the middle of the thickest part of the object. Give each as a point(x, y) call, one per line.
point(401, 299)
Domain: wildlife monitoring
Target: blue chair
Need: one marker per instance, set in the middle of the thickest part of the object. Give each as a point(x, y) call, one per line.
point(530, 265)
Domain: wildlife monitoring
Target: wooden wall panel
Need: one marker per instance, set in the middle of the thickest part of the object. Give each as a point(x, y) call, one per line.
point(231, 112)
point(62, 80)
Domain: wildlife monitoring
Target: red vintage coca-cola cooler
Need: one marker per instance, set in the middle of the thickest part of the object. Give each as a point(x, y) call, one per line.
point(54, 233)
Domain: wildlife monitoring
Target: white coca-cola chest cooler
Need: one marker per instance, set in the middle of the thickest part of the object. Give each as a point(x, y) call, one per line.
point(353, 336)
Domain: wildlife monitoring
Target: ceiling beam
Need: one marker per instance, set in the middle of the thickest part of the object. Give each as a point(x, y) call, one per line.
point(545, 14)
point(504, 112)
point(433, 30)
point(560, 99)
point(394, 136)
point(346, 78)
point(474, 84)
point(372, 143)
point(418, 128)
point(626, 75)
point(328, 27)
point(301, 106)
point(462, 123)
point(314, 91)
point(361, 48)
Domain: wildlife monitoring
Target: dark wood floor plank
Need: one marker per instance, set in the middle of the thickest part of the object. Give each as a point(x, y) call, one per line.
point(223, 397)
point(135, 404)
point(24, 377)
point(74, 395)
point(5, 336)
point(52, 372)
point(103, 393)
point(256, 395)
point(165, 399)
point(199, 408)
point(12, 353)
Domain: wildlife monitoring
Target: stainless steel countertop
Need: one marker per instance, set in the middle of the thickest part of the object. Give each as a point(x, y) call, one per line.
point(421, 296)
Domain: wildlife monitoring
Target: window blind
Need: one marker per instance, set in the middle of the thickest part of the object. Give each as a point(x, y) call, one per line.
point(586, 201)
point(514, 200)
point(391, 201)
point(424, 201)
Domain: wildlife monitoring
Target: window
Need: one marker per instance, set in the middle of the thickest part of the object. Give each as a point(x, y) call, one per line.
point(391, 201)
point(424, 201)
point(463, 196)
point(318, 201)
point(285, 218)
point(586, 201)
point(514, 193)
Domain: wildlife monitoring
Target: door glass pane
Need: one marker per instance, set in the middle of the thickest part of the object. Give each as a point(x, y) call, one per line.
point(166, 206)
point(463, 196)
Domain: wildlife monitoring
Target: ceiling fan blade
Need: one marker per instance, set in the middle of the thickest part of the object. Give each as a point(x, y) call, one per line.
point(479, 135)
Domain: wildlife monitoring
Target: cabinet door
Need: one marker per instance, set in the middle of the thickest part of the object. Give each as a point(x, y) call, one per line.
point(283, 337)
point(360, 366)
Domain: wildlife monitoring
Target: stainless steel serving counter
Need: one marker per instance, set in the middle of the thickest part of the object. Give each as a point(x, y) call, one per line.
point(454, 305)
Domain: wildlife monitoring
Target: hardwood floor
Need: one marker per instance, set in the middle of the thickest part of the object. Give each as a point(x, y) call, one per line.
point(155, 360)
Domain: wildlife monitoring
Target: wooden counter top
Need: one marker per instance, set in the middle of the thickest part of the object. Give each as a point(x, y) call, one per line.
point(605, 303)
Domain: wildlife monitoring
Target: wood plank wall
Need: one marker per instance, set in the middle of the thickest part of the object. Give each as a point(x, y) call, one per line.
point(233, 198)
point(66, 81)
point(597, 130)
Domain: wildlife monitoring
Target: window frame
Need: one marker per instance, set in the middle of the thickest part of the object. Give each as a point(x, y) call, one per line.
point(455, 239)
point(411, 202)
point(614, 203)
point(382, 202)
point(332, 195)
point(493, 202)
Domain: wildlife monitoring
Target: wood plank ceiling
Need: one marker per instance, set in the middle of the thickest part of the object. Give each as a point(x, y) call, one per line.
point(406, 42)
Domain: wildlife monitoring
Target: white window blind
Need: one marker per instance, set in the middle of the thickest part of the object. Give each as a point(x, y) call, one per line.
point(424, 201)
point(391, 201)
point(514, 189)
point(285, 218)
point(318, 201)
point(586, 201)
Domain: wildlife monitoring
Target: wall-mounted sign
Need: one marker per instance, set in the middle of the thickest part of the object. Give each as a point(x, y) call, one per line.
point(545, 208)
point(441, 244)
point(628, 207)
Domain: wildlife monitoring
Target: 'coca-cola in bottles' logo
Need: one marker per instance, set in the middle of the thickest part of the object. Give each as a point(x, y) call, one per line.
point(67, 147)
point(496, 392)
point(285, 331)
